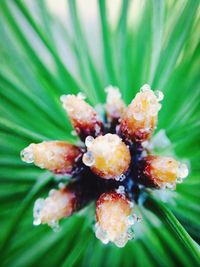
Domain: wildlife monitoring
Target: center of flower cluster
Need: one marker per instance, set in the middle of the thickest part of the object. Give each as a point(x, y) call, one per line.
point(111, 166)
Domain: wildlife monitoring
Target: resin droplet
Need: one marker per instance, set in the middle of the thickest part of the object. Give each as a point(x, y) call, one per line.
point(83, 117)
point(113, 213)
point(55, 156)
point(140, 118)
point(59, 204)
point(114, 103)
point(162, 172)
point(108, 157)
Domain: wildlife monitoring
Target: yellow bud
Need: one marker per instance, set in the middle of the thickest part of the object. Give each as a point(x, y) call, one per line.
point(83, 117)
point(114, 103)
point(114, 218)
point(164, 171)
point(56, 156)
point(59, 204)
point(140, 118)
point(107, 156)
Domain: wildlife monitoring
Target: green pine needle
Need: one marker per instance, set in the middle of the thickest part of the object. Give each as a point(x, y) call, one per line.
point(43, 57)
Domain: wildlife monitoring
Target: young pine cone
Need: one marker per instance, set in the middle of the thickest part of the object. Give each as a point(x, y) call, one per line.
point(111, 167)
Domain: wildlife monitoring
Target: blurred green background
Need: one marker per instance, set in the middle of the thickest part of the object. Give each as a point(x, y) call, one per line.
point(49, 48)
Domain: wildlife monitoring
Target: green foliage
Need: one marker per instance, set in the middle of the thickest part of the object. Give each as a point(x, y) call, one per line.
point(156, 44)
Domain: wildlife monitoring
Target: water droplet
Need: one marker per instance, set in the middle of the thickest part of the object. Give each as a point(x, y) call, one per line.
point(27, 154)
point(63, 98)
point(121, 242)
point(137, 218)
point(179, 180)
point(38, 206)
point(131, 219)
point(52, 192)
point(159, 95)
point(145, 144)
point(61, 185)
point(182, 171)
point(120, 190)
point(163, 186)
point(130, 233)
point(41, 165)
point(54, 225)
point(120, 178)
point(81, 95)
point(88, 159)
point(89, 140)
point(100, 234)
point(37, 221)
point(97, 129)
point(145, 87)
point(144, 153)
point(171, 186)
point(73, 133)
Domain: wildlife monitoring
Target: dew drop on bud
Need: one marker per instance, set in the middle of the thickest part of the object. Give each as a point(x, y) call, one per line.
point(131, 219)
point(171, 186)
point(74, 133)
point(27, 154)
point(137, 218)
point(54, 226)
point(88, 159)
point(163, 186)
point(122, 177)
point(97, 129)
point(61, 185)
point(81, 95)
point(52, 192)
point(179, 180)
point(63, 98)
point(145, 88)
point(100, 234)
point(159, 95)
point(121, 242)
point(120, 190)
point(88, 141)
point(39, 204)
point(130, 233)
point(182, 171)
point(37, 221)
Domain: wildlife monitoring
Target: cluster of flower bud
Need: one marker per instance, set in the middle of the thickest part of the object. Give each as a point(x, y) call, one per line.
point(113, 153)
